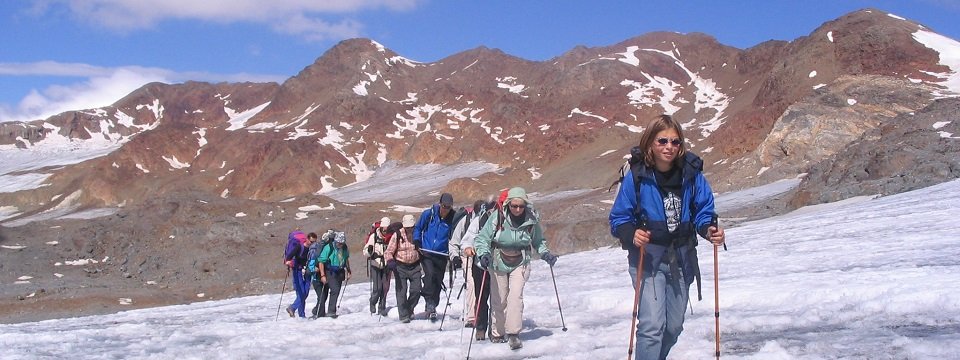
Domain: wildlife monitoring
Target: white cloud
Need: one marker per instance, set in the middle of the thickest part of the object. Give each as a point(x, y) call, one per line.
point(295, 17)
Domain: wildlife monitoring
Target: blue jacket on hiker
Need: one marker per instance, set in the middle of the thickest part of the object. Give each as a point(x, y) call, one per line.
point(645, 200)
point(432, 232)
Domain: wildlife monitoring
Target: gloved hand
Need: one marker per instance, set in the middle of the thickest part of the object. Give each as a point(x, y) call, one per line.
point(456, 262)
point(549, 258)
point(369, 249)
point(289, 263)
point(485, 261)
point(417, 244)
point(392, 264)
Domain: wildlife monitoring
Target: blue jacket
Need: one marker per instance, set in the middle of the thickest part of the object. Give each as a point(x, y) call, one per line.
point(633, 202)
point(432, 232)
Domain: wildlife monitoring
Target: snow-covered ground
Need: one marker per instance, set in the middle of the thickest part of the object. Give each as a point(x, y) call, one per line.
point(871, 279)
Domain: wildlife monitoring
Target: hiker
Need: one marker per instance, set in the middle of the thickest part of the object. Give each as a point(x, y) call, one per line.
point(460, 241)
point(675, 204)
point(373, 249)
point(478, 280)
point(334, 268)
point(504, 246)
point(295, 257)
point(431, 234)
point(318, 287)
point(403, 259)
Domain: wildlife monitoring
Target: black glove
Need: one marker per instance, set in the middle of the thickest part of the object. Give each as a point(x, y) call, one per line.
point(549, 258)
point(392, 264)
point(417, 244)
point(370, 249)
point(485, 261)
point(456, 262)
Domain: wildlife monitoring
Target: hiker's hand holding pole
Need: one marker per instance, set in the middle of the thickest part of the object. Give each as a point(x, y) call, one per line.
point(717, 237)
point(469, 252)
point(641, 237)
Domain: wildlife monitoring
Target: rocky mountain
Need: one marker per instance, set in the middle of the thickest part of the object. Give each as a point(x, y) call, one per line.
point(193, 186)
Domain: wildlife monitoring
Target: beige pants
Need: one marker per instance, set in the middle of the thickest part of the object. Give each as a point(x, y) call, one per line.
point(471, 306)
point(506, 300)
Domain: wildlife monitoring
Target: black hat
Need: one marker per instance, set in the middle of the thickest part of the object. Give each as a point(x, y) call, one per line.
point(446, 199)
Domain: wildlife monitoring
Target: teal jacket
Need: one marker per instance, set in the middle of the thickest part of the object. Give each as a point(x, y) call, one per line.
point(510, 240)
point(333, 258)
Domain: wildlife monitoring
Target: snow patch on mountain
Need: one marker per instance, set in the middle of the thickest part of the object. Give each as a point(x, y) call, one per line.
point(418, 181)
point(949, 51)
point(238, 120)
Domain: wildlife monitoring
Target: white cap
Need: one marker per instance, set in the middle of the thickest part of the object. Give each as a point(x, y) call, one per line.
point(384, 222)
point(409, 220)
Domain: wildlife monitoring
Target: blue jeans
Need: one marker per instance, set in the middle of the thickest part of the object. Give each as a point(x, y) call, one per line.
point(301, 285)
point(663, 301)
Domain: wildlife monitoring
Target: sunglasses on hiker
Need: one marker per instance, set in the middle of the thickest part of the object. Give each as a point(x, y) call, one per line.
point(674, 141)
point(518, 207)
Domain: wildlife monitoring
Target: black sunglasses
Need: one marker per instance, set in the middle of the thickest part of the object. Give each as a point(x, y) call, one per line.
point(674, 141)
point(518, 207)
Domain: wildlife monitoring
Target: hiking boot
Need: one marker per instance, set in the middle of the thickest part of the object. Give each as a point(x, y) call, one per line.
point(383, 312)
point(290, 312)
point(405, 319)
point(481, 335)
point(432, 316)
point(468, 324)
point(514, 341)
point(332, 315)
point(497, 339)
point(313, 317)
point(373, 308)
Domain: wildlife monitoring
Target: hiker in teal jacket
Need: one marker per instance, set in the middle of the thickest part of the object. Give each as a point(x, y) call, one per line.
point(334, 270)
point(504, 247)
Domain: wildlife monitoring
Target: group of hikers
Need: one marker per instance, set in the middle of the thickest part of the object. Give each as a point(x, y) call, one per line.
point(491, 243)
point(663, 203)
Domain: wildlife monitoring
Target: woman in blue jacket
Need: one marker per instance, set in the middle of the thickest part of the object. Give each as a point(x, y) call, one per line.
point(663, 203)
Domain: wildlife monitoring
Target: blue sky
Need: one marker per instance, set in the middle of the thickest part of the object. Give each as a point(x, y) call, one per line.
point(58, 55)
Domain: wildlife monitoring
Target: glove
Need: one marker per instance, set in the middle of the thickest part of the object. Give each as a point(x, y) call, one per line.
point(417, 244)
point(456, 262)
point(549, 258)
point(289, 263)
point(485, 261)
point(369, 249)
point(392, 264)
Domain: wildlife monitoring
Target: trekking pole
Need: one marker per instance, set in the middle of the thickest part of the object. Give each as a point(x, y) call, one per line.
point(636, 289)
point(476, 313)
point(714, 222)
point(453, 276)
point(563, 323)
point(282, 289)
point(636, 302)
point(343, 290)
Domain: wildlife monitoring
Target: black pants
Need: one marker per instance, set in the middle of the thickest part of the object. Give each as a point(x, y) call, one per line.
point(331, 293)
point(321, 289)
point(481, 283)
point(408, 288)
point(434, 266)
point(379, 283)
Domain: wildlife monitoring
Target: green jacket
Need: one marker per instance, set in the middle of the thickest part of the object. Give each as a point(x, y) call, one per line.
point(517, 240)
point(334, 258)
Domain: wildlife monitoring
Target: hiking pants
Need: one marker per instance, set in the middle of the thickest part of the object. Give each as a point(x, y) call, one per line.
point(480, 295)
point(663, 301)
point(434, 267)
point(301, 285)
point(322, 291)
point(335, 283)
point(408, 288)
point(379, 283)
point(471, 299)
point(506, 300)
